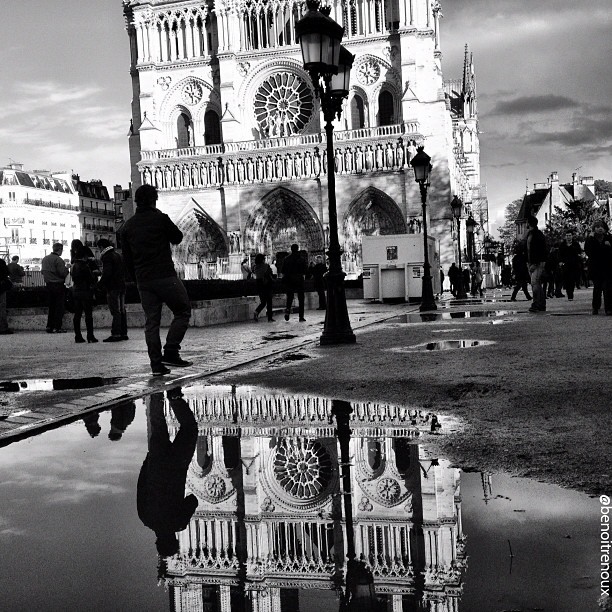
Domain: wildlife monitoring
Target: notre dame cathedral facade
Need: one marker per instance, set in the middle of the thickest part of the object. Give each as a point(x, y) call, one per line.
point(226, 124)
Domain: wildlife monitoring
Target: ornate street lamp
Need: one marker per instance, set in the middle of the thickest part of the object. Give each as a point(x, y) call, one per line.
point(457, 205)
point(422, 169)
point(360, 595)
point(329, 65)
point(470, 225)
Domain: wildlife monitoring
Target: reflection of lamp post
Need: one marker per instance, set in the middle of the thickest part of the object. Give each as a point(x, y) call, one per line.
point(360, 595)
point(422, 169)
point(456, 205)
point(470, 224)
point(329, 66)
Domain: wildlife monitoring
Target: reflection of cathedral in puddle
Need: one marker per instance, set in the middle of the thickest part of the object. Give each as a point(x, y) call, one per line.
point(270, 518)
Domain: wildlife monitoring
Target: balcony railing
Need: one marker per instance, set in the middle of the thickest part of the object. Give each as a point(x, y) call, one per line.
point(47, 204)
point(378, 149)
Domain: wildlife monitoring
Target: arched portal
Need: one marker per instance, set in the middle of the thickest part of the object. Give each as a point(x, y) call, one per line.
point(281, 219)
point(203, 240)
point(372, 213)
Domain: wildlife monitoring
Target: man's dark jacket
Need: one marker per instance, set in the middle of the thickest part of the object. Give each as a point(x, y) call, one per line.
point(537, 251)
point(146, 240)
point(294, 269)
point(600, 257)
point(113, 272)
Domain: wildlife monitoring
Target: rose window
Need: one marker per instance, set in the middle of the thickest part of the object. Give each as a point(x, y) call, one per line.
point(368, 72)
point(283, 105)
point(388, 489)
point(303, 468)
point(192, 93)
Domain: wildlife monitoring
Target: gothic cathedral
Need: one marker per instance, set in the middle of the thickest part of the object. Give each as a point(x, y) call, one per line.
point(226, 124)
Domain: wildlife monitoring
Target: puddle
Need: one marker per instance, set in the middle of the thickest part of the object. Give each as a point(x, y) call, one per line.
point(442, 345)
point(57, 384)
point(278, 336)
point(416, 317)
point(269, 527)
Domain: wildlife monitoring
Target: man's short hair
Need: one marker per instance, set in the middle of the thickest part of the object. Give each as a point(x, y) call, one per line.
point(103, 243)
point(15, 258)
point(57, 246)
point(146, 195)
point(532, 221)
point(295, 248)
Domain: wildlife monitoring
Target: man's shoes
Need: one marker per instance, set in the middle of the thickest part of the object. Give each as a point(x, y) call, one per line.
point(61, 330)
point(124, 337)
point(559, 295)
point(160, 370)
point(595, 311)
point(175, 360)
point(49, 330)
point(536, 309)
point(79, 339)
point(513, 299)
point(302, 320)
point(271, 320)
point(286, 316)
point(6, 332)
point(113, 339)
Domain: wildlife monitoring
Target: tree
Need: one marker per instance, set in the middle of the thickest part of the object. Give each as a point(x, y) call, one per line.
point(602, 187)
point(507, 232)
point(577, 216)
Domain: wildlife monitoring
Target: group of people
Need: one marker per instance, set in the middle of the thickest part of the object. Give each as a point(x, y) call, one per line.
point(294, 272)
point(470, 279)
point(550, 271)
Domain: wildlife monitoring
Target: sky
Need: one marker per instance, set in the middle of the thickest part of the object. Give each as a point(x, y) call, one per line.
point(543, 76)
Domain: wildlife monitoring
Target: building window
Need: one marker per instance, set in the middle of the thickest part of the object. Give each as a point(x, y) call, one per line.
point(183, 131)
point(385, 108)
point(357, 113)
point(212, 128)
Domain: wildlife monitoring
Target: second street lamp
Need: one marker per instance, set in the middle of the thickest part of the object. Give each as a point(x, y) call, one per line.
point(457, 205)
point(329, 65)
point(422, 169)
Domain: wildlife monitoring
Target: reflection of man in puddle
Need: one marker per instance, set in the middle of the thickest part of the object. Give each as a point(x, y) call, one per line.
point(162, 505)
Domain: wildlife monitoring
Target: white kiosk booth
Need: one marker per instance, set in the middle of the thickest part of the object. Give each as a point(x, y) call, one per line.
point(393, 266)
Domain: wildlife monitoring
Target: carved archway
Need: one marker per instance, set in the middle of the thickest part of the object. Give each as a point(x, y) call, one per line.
point(372, 213)
point(203, 240)
point(281, 219)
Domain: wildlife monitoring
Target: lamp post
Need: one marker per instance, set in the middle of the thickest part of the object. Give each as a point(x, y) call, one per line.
point(457, 205)
point(422, 169)
point(470, 224)
point(329, 66)
point(360, 595)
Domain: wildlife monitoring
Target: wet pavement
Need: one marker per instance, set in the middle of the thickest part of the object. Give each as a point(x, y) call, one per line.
point(272, 527)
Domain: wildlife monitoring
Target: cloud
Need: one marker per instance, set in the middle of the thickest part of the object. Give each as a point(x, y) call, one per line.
point(533, 104)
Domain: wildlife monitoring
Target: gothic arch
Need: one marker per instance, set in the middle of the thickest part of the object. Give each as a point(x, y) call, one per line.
point(280, 219)
point(203, 239)
point(371, 213)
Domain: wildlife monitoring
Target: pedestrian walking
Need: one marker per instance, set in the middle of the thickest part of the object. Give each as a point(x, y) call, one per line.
point(552, 279)
point(466, 278)
point(293, 271)
point(570, 255)
point(318, 272)
point(55, 271)
point(476, 273)
point(537, 254)
point(5, 285)
point(83, 289)
point(263, 278)
point(16, 273)
point(112, 282)
point(441, 280)
point(521, 271)
point(598, 247)
point(146, 240)
point(247, 274)
point(160, 495)
point(454, 277)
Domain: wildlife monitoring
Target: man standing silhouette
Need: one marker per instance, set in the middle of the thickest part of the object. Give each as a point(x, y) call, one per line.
point(161, 502)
